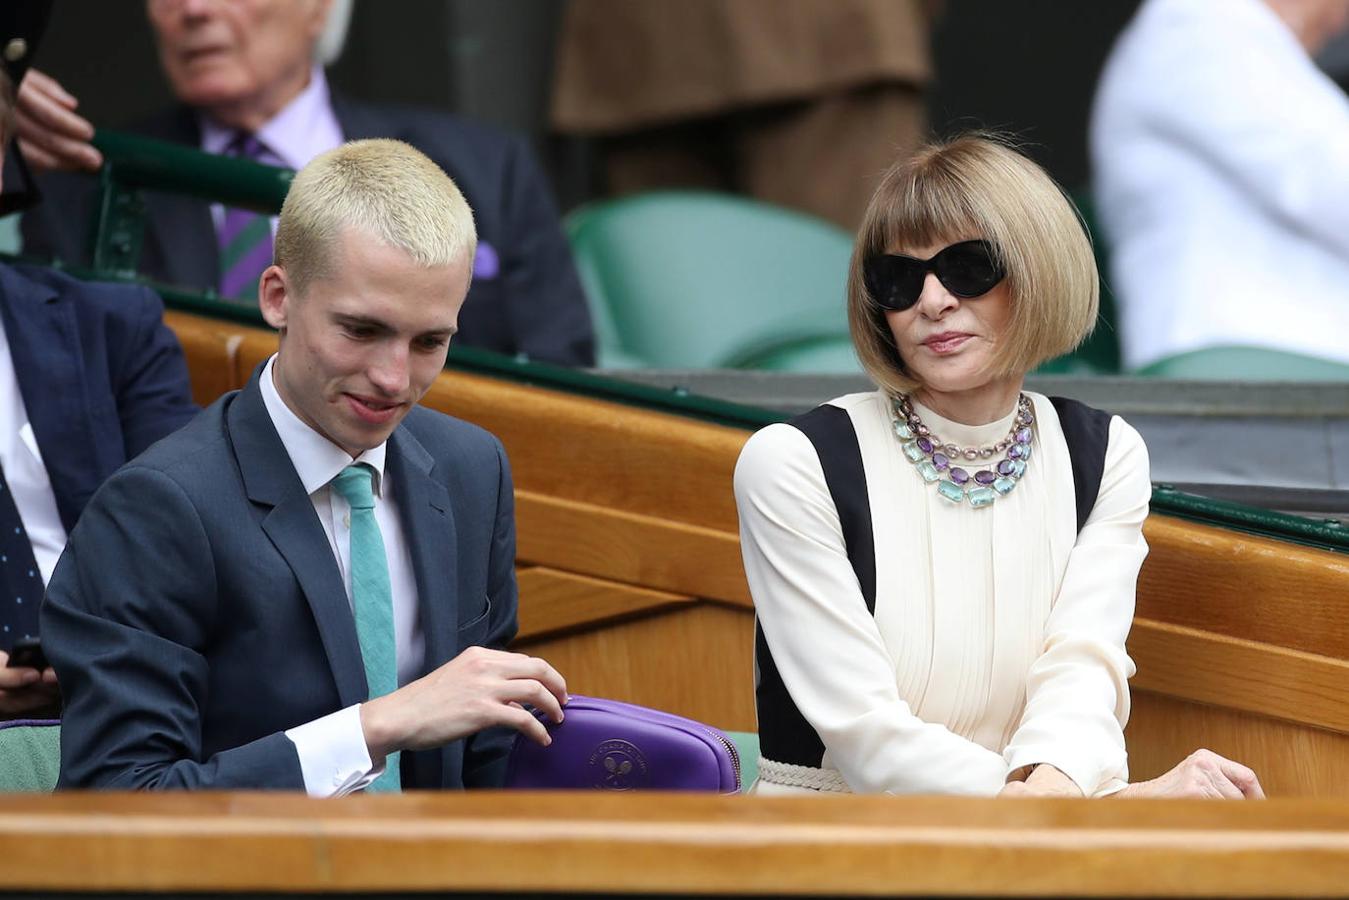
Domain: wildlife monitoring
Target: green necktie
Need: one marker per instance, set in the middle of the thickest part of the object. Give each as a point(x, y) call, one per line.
point(371, 598)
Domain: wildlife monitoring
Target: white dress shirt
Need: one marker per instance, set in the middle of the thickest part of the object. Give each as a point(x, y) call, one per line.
point(332, 750)
point(1221, 164)
point(25, 472)
point(997, 640)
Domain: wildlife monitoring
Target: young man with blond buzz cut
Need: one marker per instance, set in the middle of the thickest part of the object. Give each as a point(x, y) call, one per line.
point(309, 586)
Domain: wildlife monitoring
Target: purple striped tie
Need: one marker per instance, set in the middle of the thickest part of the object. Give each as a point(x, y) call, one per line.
point(245, 237)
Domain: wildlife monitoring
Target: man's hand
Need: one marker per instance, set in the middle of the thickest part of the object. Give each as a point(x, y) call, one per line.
point(477, 689)
point(51, 134)
point(1202, 775)
point(1043, 781)
point(26, 691)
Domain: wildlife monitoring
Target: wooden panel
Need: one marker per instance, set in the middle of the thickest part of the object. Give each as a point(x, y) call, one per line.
point(552, 602)
point(620, 546)
point(1208, 668)
point(1246, 586)
point(211, 349)
point(1291, 760)
point(693, 660)
point(690, 844)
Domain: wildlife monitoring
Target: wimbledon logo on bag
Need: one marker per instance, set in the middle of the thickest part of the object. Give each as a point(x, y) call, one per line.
point(618, 766)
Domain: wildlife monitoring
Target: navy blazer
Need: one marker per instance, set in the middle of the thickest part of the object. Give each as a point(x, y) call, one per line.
point(525, 297)
point(101, 376)
point(198, 611)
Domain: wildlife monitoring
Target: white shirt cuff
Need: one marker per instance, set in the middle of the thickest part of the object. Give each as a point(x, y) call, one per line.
point(333, 756)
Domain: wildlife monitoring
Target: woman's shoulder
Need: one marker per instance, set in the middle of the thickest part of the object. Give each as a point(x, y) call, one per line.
point(784, 454)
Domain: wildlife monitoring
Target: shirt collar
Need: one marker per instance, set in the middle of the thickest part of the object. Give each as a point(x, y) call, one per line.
point(316, 459)
point(303, 129)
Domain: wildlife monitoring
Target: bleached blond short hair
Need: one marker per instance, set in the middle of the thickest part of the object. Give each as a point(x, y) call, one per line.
point(970, 187)
point(384, 188)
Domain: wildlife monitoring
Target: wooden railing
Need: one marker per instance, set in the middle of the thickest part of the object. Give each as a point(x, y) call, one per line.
point(674, 845)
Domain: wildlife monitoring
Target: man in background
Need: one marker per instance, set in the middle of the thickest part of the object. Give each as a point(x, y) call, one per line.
point(248, 84)
point(89, 378)
point(1221, 166)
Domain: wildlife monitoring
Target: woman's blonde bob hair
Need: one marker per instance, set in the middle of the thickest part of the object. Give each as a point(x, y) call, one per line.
point(978, 186)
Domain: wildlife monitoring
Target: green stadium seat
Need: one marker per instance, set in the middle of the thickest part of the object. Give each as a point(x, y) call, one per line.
point(697, 280)
point(30, 756)
point(1235, 363)
point(747, 746)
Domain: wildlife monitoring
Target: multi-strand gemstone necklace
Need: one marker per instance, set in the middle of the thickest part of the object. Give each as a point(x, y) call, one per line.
point(940, 462)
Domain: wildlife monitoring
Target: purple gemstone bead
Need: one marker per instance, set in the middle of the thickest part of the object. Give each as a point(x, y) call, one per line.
point(983, 476)
point(1006, 467)
point(1015, 452)
point(959, 475)
point(925, 445)
point(941, 460)
point(1023, 436)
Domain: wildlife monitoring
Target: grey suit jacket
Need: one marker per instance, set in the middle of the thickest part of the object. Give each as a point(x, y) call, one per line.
point(198, 611)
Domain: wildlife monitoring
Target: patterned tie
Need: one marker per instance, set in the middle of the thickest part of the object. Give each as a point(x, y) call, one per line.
point(19, 578)
point(245, 237)
point(372, 598)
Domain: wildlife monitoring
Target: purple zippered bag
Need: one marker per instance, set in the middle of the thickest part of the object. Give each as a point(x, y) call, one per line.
point(614, 746)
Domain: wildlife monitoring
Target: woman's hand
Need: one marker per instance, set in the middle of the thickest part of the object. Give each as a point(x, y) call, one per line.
point(1043, 781)
point(1202, 775)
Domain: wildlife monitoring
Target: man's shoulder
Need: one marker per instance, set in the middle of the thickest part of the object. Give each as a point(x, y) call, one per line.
point(102, 300)
point(479, 156)
point(111, 296)
point(200, 445)
point(436, 430)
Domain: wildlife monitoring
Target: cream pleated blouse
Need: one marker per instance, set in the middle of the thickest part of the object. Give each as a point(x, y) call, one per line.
point(998, 635)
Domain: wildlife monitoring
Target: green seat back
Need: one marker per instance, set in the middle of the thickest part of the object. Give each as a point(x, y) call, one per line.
point(30, 757)
point(686, 279)
point(1246, 364)
point(747, 745)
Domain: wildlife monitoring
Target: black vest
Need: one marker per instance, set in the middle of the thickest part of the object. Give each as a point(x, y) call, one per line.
point(784, 734)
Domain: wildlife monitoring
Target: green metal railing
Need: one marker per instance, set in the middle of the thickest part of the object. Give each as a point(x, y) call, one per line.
point(133, 164)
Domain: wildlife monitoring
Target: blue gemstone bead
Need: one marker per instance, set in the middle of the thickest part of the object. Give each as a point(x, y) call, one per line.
point(928, 471)
point(1004, 485)
point(912, 452)
point(953, 492)
point(981, 497)
point(1025, 451)
point(904, 431)
point(1018, 468)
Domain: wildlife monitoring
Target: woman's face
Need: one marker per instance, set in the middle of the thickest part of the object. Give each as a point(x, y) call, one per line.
point(948, 342)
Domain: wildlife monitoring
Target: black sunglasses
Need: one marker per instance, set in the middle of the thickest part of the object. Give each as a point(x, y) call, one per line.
point(968, 269)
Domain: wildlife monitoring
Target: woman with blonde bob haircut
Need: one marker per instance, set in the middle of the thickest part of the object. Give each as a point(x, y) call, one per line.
point(944, 568)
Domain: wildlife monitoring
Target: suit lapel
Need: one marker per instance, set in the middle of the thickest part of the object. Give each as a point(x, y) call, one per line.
point(428, 524)
point(270, 481)
point(44, 343)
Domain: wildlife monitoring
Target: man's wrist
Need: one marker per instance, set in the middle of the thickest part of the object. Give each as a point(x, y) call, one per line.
point(374, 725)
